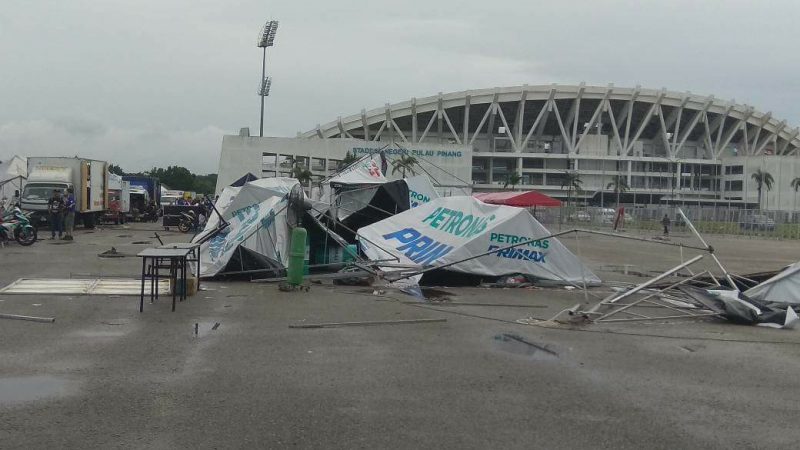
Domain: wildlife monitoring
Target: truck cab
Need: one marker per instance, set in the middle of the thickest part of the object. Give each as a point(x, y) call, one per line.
point(40, 187)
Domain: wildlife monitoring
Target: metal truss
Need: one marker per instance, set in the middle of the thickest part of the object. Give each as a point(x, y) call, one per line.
point(522, 114)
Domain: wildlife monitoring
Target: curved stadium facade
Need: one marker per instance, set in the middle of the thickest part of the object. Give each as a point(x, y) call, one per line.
point(667, 145)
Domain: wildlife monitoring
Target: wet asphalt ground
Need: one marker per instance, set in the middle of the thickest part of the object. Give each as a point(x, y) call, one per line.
point(105, 376)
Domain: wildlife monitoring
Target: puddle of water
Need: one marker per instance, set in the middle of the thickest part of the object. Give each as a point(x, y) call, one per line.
point(518, 345)
point(16, 390)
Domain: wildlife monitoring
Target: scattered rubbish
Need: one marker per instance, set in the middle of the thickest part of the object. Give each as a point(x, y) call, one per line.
point(28, 318)
point(516, 344)
point(124, 235)
point(36, 304)
point(142, 242)
point(116, 322)
point(216, 325)
point(16, 390)
point(353, 276)
point(378, 292)
point(288, 287)
point(113, 253)
point(367, 323)
point(569, 288)
point(196, 327)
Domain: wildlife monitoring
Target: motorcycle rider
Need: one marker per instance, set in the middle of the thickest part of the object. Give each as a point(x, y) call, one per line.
point(69, 215)
point(55, 207)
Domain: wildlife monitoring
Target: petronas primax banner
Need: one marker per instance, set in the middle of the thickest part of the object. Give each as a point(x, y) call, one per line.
point(451, 229)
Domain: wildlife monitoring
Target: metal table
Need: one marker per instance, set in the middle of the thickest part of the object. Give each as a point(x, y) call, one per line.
point(178, 257)
point(195, 257)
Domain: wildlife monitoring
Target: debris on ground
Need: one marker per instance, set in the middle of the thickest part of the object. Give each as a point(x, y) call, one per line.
point(366, 323)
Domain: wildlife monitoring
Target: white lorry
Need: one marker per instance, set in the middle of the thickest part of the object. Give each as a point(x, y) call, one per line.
point(88, 179)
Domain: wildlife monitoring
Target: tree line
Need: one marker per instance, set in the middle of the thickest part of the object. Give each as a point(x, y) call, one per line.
point(175, 177)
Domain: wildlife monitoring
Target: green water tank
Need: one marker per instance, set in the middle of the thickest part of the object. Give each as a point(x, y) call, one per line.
point(297, 256)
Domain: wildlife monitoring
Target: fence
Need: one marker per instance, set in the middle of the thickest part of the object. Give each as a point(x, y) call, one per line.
point(719, 219)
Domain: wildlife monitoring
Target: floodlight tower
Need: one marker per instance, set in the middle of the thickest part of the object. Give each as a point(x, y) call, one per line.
point(265, 39)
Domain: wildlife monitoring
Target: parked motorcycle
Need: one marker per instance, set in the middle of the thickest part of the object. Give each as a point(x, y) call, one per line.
point(188, 220)
point(17, 225)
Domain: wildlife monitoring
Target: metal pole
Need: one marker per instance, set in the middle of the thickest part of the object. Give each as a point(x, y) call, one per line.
point(654, 280)
point(633, 238)
point(263, 74)
point(614, 300)
point(710, 250)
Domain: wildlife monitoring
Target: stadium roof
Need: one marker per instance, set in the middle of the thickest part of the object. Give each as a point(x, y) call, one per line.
point(517, 112)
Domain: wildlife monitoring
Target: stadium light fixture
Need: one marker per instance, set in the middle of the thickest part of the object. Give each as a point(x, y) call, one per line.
point(266, 84)
point(265, 39)
point(267, 36)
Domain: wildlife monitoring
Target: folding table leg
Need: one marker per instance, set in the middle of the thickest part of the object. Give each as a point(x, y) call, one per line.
point(141, 297)
point(173, 271)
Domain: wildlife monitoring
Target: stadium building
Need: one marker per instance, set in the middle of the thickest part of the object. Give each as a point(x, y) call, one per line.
point(666, 146)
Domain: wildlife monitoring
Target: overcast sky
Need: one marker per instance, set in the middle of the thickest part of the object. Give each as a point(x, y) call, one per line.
point(158, 82)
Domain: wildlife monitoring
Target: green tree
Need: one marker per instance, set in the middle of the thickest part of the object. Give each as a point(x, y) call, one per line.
point(116, 170)
point(512, 180)
point(302, 174)
point(349, 158)
point(763, 180)
point(571, 181)
point(205, 184)
point(620, 185)
point(404, 163)
point(795, 185)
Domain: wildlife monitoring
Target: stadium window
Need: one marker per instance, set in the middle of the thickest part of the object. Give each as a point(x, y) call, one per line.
point(734, 170)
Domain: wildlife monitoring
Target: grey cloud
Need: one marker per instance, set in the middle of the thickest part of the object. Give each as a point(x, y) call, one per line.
point(145, 72)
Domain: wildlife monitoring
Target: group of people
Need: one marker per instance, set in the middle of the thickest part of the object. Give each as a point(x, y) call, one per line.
point(61, 209)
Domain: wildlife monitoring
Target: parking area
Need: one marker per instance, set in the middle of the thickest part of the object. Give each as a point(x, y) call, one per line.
point(226, 370)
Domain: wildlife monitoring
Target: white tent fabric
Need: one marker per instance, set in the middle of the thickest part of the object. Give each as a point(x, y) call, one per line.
point(783, 287)
point(451, 229)
point(420, 190)
point(257, 216)
point(13, 172)
point(367, 170)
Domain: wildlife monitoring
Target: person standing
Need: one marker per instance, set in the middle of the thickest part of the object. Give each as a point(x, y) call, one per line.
point(666, 223)
point(69, 215)
point(55, 207)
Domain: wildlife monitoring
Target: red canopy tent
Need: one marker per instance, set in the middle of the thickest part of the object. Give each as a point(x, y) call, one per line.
point(523, 199)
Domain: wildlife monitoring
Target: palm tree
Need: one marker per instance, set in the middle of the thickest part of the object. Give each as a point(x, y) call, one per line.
point(796, 185)
point(762, 179)
point(620, 185)
point(349, 158)
point(571, 181)
point(512, 180)
point(404, 163)
point(302, 174)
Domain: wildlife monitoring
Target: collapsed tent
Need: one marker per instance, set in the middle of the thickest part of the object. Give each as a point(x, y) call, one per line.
point(453, 229)
point(257, 231)
point(244, 179)
point(782, 288)
point(738, 307)
point(13, 173)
